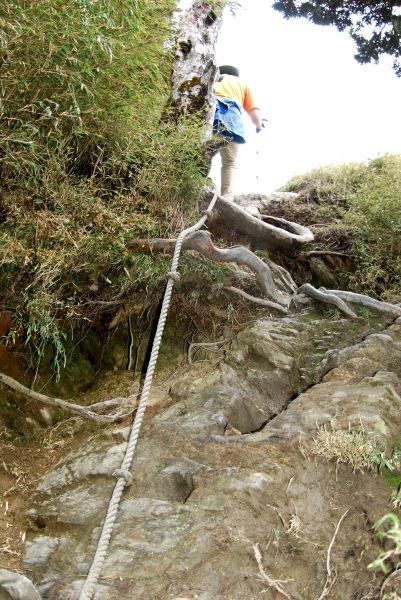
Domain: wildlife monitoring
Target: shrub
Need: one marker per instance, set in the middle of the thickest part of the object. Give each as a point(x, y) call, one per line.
point(366, 197)
point(388, 529)
point(80, 79)
point(375, 216)
point(85, 161)
point(331, 184)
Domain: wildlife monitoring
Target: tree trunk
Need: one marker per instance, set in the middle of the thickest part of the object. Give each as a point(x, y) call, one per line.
point(194, 68)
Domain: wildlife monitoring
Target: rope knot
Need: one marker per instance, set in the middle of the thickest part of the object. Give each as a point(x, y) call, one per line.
point(174, 275)
point(125, 474)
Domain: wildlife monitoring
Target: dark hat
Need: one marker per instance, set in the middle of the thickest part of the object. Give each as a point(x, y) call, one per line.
point(229, 70)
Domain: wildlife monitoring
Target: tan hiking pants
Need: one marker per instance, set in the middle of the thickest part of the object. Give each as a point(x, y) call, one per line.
point(229, 155)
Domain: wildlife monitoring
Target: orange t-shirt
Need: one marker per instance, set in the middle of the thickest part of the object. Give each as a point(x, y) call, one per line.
point(232, 87)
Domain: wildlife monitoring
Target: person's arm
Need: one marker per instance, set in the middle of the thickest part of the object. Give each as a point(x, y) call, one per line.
point(253, 110)
point(256, 118)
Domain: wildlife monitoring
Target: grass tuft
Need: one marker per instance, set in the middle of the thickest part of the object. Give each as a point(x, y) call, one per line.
point(354, 448)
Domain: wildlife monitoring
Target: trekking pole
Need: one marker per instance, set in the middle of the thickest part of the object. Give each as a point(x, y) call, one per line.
point(258, 154)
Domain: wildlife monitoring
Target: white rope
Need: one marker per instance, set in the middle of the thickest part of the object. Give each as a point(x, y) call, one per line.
point(123, 479)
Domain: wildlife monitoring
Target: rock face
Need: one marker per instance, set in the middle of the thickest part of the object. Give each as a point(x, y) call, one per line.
point(14, 586)
point(226, 466)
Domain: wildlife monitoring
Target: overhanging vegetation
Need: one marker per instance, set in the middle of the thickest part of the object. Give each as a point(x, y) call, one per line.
point(85, 161)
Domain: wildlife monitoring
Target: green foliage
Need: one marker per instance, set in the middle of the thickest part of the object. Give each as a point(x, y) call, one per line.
point(330, 185)
point(86, 162)
point(367, 199)
point(84, 84)
point(170, 176)
point(388, 530)
point(38, 317)
point(80, 79)
point(375, 218)
point(331, 312)
point(374, 26)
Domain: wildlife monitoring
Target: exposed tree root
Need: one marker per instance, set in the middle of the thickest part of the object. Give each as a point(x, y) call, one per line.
point(303, 255)
point(201, 242)
point(83, 411)
point(384, 307)
point(331, 575)
point(282, 277)
point(339, 298)
point(274, 584)
point(268, 233)
point(327, 298)
point(260, 301)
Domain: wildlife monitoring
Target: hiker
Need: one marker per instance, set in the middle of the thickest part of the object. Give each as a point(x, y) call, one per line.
point(232, 95)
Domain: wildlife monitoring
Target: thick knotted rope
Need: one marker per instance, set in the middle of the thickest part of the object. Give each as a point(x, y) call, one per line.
point(122, 473)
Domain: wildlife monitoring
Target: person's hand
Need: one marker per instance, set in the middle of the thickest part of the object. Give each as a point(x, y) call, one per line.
point(262, 126)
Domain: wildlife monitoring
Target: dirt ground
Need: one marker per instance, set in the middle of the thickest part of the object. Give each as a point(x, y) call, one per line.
point(22, 463)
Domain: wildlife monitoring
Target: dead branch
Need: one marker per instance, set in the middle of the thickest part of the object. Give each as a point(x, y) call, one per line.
point(57, 402)
point(272, 583)
point(201, 242)
point(131, 344)
point(326, 297)
point(103, 302)
point(154, 245)
point(331, 577)
point(113, 402)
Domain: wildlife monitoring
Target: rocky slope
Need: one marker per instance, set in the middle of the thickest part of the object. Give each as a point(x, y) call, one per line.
point(225, 469)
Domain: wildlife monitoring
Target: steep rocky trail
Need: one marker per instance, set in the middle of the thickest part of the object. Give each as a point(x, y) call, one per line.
point(224, 463)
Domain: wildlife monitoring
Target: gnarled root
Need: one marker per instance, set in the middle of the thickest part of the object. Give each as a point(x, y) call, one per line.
point(268, 233)
point(260, 301)
point(201, 242)
point(384, 307)
point(327, 298)
point(339, 298)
